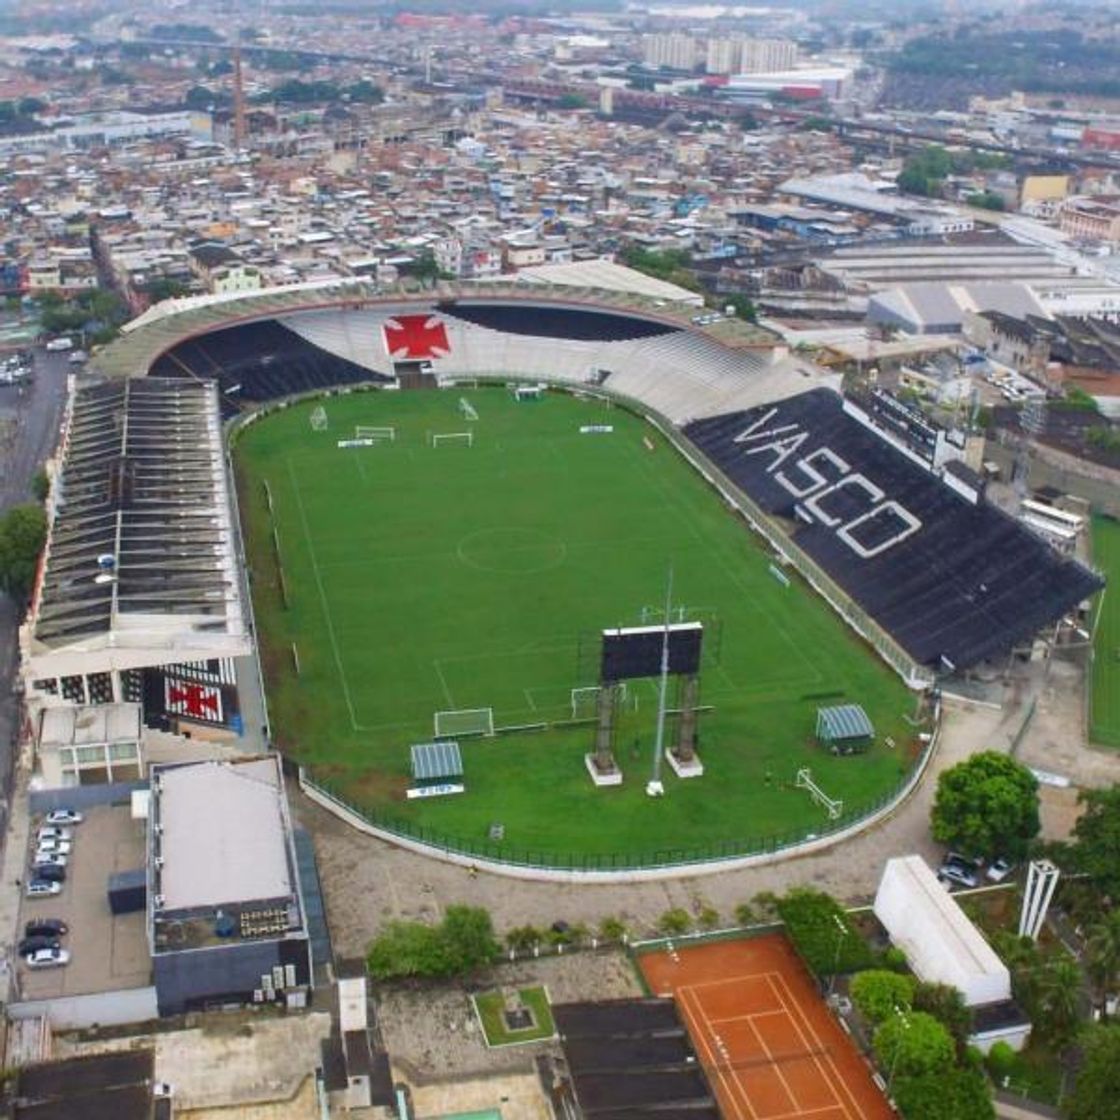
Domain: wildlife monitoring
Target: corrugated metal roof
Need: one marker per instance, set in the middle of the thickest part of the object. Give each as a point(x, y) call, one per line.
point(431, 761)
point(846, 721)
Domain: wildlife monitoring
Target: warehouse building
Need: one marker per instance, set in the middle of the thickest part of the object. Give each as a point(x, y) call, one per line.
point(226, 917)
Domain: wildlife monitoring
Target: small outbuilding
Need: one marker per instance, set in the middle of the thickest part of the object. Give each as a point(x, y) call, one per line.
point(437, 769)
point(844, 729)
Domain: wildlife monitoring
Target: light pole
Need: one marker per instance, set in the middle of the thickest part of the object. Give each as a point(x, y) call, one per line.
point(898, 1045)
point(841, 933)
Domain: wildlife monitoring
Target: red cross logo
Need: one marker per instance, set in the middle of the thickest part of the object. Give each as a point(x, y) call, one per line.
point(416, 336)
point(194, 700)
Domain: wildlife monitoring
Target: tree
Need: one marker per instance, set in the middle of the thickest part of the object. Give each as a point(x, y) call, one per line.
point(821, 932)
point(878, 993)
point(987, 806)
point(951, 1094)
point(913, 1044)
point(468, 939)
point(1096, 1092)
point(1059, 999)
point(946, 1004)
point(23, 531)
point(744, 306)
point(406, 949)
point(1097, 839)
point(1102, 952)
point(40, 484)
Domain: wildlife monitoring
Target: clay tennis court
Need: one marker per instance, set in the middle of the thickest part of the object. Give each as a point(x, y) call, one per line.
point(768, 1044)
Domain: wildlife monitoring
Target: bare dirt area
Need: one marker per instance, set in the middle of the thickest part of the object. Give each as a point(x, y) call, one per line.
point(433, 1034)
point(518, 1095)
point(368, 881)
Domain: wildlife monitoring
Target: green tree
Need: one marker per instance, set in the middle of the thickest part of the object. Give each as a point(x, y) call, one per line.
point(987, 806)
point(878, 993)
point(987, 200)
point(951, 1094)
point(674, 922)
point(468, 939)
point(821, 932)
point(23, 531)
point(522, 938)
point(1102, 957)
point(612, 929)
point(946, 1004)
point(1059, 999)
point(1097, 839)
point(40, 485)
point(913, 1044)
point(1096, 1092)
point(406, 949)
point(744, 306)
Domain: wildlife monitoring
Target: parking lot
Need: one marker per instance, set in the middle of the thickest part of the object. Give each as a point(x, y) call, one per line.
point(106, 952)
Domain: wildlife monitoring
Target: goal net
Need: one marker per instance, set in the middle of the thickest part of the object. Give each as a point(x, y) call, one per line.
point(585, 701)
point(527, 392)
point(365, 431)
point(467, 409)
point(464, 721)
point(319, 419)
point(437, 438)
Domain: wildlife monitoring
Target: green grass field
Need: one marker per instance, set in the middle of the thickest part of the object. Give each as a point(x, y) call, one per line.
point(422, 579)
point(490, 1007)
point(1105, 722)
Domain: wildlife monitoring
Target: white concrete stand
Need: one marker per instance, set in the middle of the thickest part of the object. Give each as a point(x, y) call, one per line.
point(694, 768)
point(601, 777)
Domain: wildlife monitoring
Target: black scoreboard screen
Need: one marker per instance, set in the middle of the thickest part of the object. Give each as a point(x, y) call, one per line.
point(636, 651)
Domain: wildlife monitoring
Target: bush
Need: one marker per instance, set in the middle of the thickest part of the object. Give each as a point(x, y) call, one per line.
point(952, 1094)
point(707, 917)
point(912, 1045)
point(1000, 1062)
point(878, 993)
point(946, 1004)
point(744, 914)
point(895, 959)
point(612, 929)
point(674, 922)
point(821, 933)
point(460, 945)
point(522, 938)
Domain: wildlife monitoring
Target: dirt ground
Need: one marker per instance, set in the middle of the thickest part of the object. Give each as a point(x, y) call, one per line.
point(432, 1033)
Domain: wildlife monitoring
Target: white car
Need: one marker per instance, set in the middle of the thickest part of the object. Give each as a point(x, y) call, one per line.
point(49, 833)
point(63, 816)
point(47, 958)
point(43, 888)
point(49, 859)
point(47, 846)
point(998, 870)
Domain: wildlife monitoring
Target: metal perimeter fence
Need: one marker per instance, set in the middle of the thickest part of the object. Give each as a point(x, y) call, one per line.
point(499, 854)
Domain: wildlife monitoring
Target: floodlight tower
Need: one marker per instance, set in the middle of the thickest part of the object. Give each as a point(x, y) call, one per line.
point(654, 787)
point(239, 130)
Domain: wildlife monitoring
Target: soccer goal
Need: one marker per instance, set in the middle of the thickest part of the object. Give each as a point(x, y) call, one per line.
point(436, 438)
point(832, 806)
point(527, 392)
point(464, 721)
point(365, 431)
point(467, 409)
point(319, 419)
point(585, 701)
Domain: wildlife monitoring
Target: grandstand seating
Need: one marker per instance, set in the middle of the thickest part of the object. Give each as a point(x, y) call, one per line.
point(967, 584)
point(257, 362)
point(556, 322)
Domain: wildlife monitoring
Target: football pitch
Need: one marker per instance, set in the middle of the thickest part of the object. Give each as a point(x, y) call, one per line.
point(1105, 721)
point(419, 578)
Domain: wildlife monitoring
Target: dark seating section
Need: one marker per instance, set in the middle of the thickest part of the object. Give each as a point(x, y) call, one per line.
point(556, 322)
point(632, 1060)
point(968, 585)
point(258, 362)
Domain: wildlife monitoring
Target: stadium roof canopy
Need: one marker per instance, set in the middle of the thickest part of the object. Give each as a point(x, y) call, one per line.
point(140, 566)
point(846, 721)
point(610, 277)
point(149, 335)
point(432, 762)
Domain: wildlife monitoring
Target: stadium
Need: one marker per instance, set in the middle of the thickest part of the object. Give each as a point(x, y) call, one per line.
point(467, 532)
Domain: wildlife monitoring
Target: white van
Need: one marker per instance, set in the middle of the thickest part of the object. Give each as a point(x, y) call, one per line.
point(60, 344)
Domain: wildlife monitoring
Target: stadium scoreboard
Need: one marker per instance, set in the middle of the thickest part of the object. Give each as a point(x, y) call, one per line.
point(636, 651)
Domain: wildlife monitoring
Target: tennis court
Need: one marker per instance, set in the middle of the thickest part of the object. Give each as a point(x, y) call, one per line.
point(768, 1044)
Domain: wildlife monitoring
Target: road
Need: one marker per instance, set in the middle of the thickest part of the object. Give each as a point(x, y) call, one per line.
point(36, 410)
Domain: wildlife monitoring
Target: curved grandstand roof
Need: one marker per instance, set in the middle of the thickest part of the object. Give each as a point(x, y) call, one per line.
point(148, 336)
point(140, 566)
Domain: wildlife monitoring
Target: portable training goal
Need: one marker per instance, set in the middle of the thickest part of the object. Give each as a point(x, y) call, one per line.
point(527, 392)
point(464, 721)
point(467, 409)
point(436, 438)
point(367, 431)
point(832, 806)
point(319, 421)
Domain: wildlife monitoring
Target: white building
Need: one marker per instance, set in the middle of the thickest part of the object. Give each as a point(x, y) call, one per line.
point(671, 49)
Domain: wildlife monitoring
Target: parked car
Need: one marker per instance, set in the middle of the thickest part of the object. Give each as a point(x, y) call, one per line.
point(46, 927)
point(31, 945)
point(958, 869)
point(50, 833)
point(50, 859)
point(63, 816)
point(49, 871)
point(48, 958)
point(48, 846)
point(999, 869)
point(43, 888)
